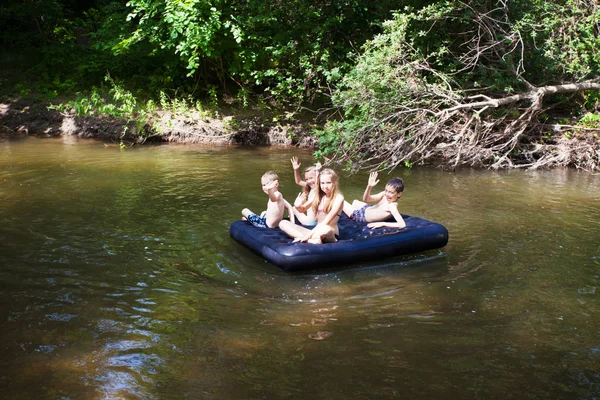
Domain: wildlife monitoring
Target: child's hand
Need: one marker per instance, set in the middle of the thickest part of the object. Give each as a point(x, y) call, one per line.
point(300, 239)
point(271, 185)
point(307, 237)
point(375, 225)
point(295, 163)
point(318, 166)
point(373, 179)
point(301, 199)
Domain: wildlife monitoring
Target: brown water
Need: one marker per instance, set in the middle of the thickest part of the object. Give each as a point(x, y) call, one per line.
point(118, 280)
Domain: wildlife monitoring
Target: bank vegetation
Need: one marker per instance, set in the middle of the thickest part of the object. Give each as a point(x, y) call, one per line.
point(371, 85)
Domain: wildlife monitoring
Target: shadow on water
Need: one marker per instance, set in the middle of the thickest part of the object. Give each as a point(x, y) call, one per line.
point(427, 265)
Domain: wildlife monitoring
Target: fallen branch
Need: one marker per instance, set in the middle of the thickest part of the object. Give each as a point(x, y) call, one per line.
point(533, 95)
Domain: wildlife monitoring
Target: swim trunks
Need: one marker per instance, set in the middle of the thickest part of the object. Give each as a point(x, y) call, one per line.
point(359, 215)
point(260, 222)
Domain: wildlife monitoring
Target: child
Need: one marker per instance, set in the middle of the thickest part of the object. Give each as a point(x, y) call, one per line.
point(275, 206)
point(302, 209)
point(387, 205)
point(327, 207)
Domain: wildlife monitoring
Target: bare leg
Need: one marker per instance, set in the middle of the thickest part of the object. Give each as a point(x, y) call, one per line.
point(293, 230)
point(348, 209)
point(329, 237)
point(303, 218)
point(322, 234)
point(246, 212)
point(357, 204)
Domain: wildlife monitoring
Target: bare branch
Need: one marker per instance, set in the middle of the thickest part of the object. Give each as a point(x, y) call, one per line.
point(533, 95)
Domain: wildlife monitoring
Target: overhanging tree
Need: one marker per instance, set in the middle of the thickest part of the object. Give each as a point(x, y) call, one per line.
point(286, 49)
point(474, 83)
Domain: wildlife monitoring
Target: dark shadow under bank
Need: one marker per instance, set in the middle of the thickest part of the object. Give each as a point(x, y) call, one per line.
point(25, 117)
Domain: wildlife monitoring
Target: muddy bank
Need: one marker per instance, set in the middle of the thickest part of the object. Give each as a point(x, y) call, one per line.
point(22, 117)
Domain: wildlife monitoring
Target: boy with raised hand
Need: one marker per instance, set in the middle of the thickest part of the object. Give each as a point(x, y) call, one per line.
point(275, 206)
point(375, 214)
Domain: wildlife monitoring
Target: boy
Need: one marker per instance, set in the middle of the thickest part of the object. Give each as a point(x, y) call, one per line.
point(387, 205)
point(275, 206)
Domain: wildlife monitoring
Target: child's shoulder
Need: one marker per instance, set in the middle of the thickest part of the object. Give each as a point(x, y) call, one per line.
point(392, 204)
point(277, 194)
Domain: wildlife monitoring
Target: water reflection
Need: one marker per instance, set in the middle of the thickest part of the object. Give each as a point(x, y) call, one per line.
point(118, 279)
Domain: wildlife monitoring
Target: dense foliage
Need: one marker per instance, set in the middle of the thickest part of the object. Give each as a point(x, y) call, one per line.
point(470, 83)
point(500, 84)
point(287, 51)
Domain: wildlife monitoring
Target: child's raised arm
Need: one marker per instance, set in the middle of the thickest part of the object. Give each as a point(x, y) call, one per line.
point(296, 165)
point(290, 211)
point(367, 197)
point(300, 199)
point(271, 188)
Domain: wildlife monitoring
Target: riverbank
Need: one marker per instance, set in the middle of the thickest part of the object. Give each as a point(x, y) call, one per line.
point(560, 145)
point(25, 117)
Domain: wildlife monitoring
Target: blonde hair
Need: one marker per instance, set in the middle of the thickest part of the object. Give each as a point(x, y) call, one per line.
point(270, 176)
point(307, 170)
point(320, 194)
point(306, 188)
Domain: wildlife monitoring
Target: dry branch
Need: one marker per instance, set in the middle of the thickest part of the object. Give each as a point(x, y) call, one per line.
point(410, 111)
point(465, 133)
point(535, 95)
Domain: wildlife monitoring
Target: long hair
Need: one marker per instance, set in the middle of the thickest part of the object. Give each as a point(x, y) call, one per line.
point(320, 194)
point(307, 188)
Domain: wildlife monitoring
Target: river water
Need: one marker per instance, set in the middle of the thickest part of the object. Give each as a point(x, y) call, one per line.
point(118, 280)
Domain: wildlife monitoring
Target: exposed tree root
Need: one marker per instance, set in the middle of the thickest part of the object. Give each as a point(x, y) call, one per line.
point(466, 132)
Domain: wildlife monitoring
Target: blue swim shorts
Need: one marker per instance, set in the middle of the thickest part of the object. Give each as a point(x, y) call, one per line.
point(258, 221)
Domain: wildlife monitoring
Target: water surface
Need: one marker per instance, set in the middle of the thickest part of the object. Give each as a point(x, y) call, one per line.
point(118, 279)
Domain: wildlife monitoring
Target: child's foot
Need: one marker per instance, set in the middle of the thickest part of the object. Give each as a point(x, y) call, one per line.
point(328, 238)
point(244, 219)
point(315, 241)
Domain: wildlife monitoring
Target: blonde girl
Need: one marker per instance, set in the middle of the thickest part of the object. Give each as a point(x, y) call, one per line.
point(327, 207)
point(304, 200)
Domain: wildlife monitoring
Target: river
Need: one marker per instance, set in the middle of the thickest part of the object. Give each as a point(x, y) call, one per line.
point(118, 280)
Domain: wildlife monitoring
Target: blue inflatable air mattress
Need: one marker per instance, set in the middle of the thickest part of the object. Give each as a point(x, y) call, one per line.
point(357, 243)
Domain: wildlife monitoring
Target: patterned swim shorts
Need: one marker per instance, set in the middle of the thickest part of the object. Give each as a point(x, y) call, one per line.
point(258, 221)
point(359, 215)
